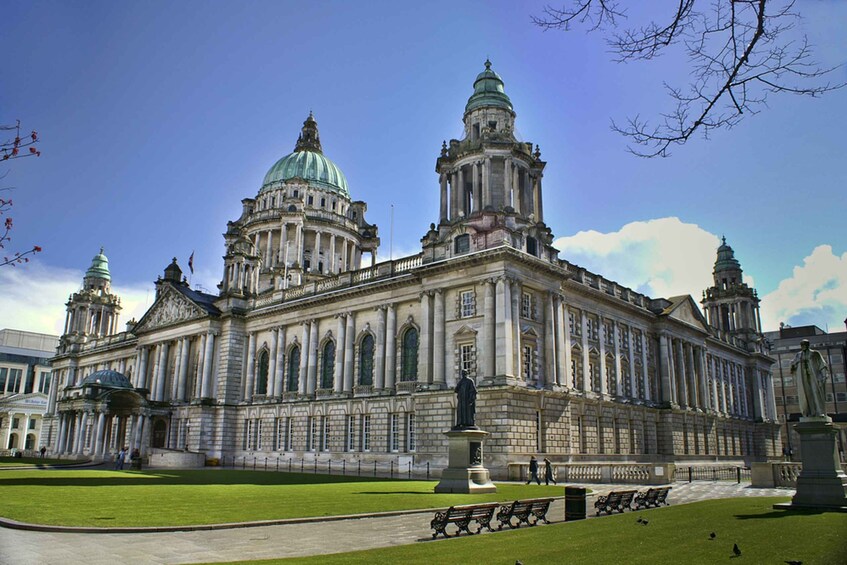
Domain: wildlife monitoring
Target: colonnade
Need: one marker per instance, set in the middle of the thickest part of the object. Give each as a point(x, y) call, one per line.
point(468, 188)
point(734, 316)
point(93, 319)
point(190, 375)
point(279, 246)
point(96, 433)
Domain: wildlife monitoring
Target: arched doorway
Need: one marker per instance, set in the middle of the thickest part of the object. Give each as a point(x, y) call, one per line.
point(30, 441)
point(13, 441)
point(160, 433)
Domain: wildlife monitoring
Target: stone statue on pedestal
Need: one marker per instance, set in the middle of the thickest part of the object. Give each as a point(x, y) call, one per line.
point(810, 370)
point(466, 403)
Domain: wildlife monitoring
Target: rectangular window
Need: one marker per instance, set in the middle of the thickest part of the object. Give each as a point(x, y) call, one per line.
point(258, 433)
point(573, 323)
point(526, 305)
point(350, 441)
point(467, 359)
point(246, 434)
point(593, 326)
point(314, 438)
point(3, 372)
point(538, 446)
point(468, 304)
point(841, 396)
point(366, 432)
point(411, 438)
point(609, 334)
point(394, 433)
point(526, 360)
point(325, 433)
point(289, 428)
point(14, 384)
point(32, 423)
point(623, 334)
point(44, 382)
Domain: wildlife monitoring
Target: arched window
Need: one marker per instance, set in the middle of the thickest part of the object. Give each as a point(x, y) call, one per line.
point(409, 356)
point(262, 376)
point(366, 361)
point(462, 243)
point(294, 369)
point(328, 366)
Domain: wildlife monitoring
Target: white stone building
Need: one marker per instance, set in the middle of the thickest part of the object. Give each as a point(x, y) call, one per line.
point(25, 376)
point(308, 353)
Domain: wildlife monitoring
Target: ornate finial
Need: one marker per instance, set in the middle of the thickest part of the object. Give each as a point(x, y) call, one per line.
point(309, 139)
point(487, 64)
point(537, 153)
point(723, 240)
point(101, 250)
point(174, 261)
point(444, 148)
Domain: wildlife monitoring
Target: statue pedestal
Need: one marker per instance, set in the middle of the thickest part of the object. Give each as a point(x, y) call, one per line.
point(464, 472)
point(822, 483)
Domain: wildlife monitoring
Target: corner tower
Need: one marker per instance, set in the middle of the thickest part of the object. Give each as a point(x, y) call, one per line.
point(93, 311)
point(490, 183)
point(730, 305)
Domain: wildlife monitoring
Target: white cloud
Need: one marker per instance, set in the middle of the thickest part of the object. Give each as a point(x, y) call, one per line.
point(816, 293)
point(33, 297)
point(661, 258)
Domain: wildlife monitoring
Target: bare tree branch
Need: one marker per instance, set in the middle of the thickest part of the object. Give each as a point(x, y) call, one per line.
point(739, 52)
point(12, 149)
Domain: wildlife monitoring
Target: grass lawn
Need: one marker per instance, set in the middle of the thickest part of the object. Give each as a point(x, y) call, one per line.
point(675, 534)
point(170, 498)
point(29, 462)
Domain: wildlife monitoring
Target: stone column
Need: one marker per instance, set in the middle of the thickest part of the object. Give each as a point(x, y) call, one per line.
point(460, 196)
point(486, 181)
point(208, 366)
point(550, 364)
point(198, 377)
point(516, 366)
point(504, 329)
point(331, 265)
point(438, 351)
point(564, 344)
point(425, 353)
point(280, 362)
point(299, 239)
point(680, 372)
point(442, 178)
point(700, 357)
point(692, 377)
point(379, 349)
point(390, 347)
point(586, 357)
point(185, 348)
point(340, 353)
point(313, 358)
point(269, 254)
point(616, 336)
point(666, 393)
point(154, 376)
point(601, 334)
point(250, 380)
point(80, 443)
point(271, 391)
point(145, 434)
point(316, 260)
point(476, 189)
point(633, 382)
point(722, 370)
point(349, 337)
point(98, 444)
point(489, 351)
point(281, 259)
point(163, 371)
point(507, 182)
point(60, 438)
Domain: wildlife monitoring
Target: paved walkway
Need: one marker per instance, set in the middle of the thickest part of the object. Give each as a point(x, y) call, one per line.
point(287, 540)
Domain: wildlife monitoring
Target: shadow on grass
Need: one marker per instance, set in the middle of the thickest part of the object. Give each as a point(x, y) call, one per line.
point(782, 514)
point(101, 478)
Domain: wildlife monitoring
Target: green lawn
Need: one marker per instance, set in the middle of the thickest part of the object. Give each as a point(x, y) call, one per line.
point(170, 498)
point(675, 534)
point(29, 462)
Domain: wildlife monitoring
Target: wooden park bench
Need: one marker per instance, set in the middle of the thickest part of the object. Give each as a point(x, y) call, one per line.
point(462, 516)
point(522, 511)
point(615, 501)
point(653, 497)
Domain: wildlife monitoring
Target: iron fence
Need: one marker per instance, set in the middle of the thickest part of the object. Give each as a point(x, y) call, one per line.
point(360, 468)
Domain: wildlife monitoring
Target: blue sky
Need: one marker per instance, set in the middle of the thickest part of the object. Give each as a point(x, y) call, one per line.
point(157, 118)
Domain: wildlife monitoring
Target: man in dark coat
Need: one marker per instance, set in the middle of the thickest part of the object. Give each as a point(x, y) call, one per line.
point(533, 470)
point(465, 403)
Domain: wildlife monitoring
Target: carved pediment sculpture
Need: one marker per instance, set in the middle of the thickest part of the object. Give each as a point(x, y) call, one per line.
point(171, 308)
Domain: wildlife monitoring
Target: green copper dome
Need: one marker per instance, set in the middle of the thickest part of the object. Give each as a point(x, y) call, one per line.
point(308, 163)
point(99, 267)
point(488, 91)
point(726, 260)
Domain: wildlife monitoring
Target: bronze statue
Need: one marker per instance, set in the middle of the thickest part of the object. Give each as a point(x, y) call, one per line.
point(810, 370)
point(466, 403)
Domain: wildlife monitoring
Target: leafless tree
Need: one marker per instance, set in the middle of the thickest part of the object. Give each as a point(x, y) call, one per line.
point(14, 148)
point(739, 52)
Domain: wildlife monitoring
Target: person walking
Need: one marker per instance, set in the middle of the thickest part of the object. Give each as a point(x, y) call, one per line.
point(533, 470)
point(548, 472)
point(119, 460)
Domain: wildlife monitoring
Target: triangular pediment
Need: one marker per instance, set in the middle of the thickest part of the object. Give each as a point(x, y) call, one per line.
point(170, 308)
point(685, 310)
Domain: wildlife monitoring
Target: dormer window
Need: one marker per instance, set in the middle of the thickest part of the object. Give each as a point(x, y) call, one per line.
point(475, 132)
point(532, 246)
point(296, 193)
point(323, 202)
point(311, 200)
point(462, 244)
point(492, 126)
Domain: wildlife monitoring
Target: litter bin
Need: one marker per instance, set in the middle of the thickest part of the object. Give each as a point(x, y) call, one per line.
point(575, 503)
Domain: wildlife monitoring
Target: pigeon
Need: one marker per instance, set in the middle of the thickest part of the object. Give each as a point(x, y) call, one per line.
point(735, 550)
point(713, 535)
point(640, 520)
point(645, 522)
